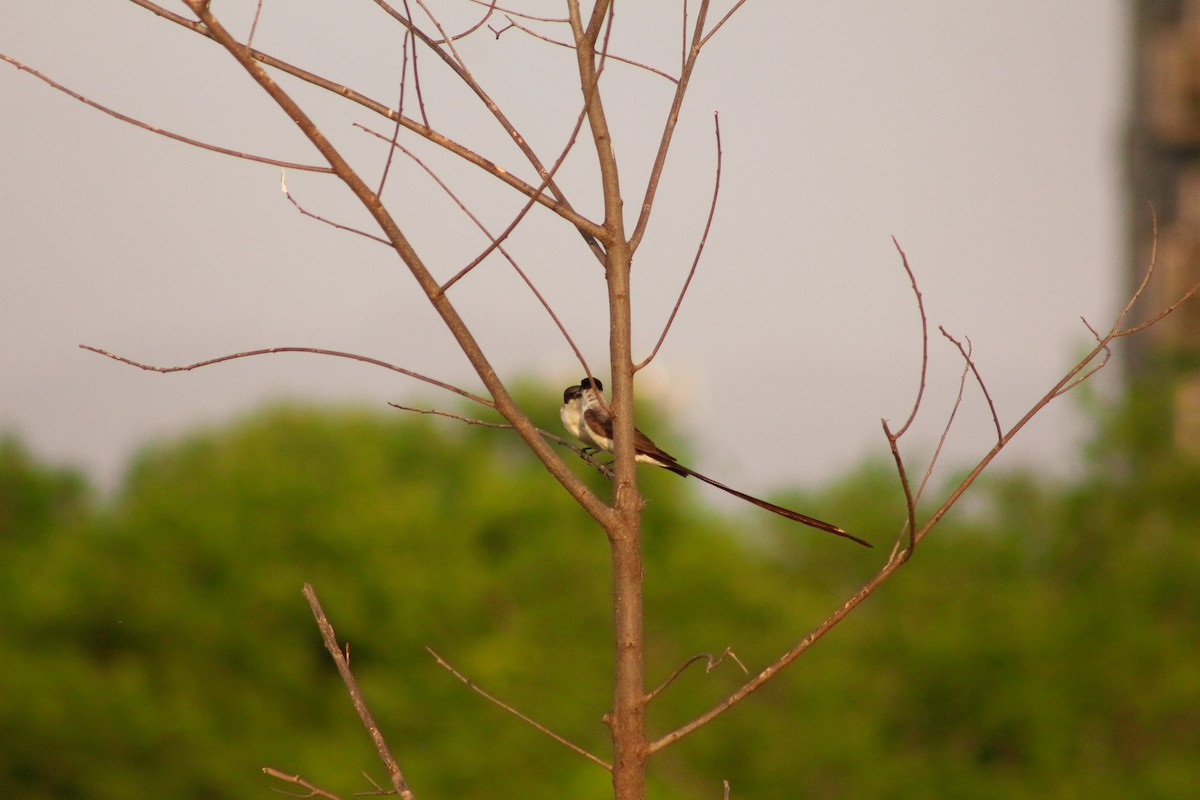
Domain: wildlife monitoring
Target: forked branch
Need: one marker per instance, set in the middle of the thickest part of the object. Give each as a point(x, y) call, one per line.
point(342, 660)
point(1082, 369)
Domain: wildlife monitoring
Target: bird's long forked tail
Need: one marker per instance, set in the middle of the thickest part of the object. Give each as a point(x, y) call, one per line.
point(795, 516)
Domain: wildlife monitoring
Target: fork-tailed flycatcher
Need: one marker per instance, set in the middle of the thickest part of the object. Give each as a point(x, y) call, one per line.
point(585, 417)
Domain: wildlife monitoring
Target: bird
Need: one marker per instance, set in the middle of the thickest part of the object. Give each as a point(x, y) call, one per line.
point(585, 417)
point(571, 414)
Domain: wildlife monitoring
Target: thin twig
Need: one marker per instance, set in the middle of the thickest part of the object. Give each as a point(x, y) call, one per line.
point(721, 23)
point(570, 46)
point(966, 354)
point(519, 715)
point(450, 57)
point(336, 225)
point(711, 662)
point(912, 279)
point(1103, 361)
point(937, 451)
point(360, 705)
point(683, 39)
point(512, 226)
point(910, 502)
point(664, 142)
point(495, 241)
point(483, 401)
point(603, 468)
point(482, 20)
point(712, 208)
point(391, 152)
point(416, 62)
point(911, 505)
point(137, 123)
point(770, 671)
point(313, 790)
point(521, 14)
point(254, 25)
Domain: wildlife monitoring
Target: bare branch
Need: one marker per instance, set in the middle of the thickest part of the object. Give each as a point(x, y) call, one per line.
point(404, 57)
point(773, 669)
point(519, 715)
point(412, 260)
point(254, 25)
point(937, 451)
point(454, 61)
point(712, 208)
point(910, 501)
point(160, 131)
point(912, 279)
point(495, 241)
point(313, 790)
point(711, 662)
point(483, 401)
point(664, 145)
point(520, 14)
point(556, 203)
point(966, 354)
point(1103, 361)
point(569, 45)
point(721, 23)
point(337, 225)
point(900, 557)
point(482, 20)
point(343, 665)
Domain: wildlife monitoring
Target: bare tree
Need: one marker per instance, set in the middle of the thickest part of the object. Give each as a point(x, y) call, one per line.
point(613, 242)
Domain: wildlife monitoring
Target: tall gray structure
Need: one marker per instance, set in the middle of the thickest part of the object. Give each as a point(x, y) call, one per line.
point(1164, 174)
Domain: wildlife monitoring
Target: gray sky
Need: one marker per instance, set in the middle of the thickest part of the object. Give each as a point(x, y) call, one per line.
point(984, 136)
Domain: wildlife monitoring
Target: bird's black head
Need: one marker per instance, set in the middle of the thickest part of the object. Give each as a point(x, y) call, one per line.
point(571, 393)
point(591, 383)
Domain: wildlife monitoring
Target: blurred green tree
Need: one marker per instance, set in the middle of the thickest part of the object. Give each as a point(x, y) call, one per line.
point(1044, 644)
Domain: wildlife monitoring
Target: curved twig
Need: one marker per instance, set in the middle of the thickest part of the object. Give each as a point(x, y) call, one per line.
point(146, 126)
point(491, 7)
point(519, 715)
point(336, 225)
point(912, 279)
point(711, 662)
point(712, 208)
point(483, 401)
point(910, 501)
point(966, 354)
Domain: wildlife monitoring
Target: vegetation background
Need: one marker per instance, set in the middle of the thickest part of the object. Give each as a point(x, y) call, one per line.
point(1043, 643)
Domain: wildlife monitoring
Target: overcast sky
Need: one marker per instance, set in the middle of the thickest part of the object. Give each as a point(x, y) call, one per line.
point(985, 136)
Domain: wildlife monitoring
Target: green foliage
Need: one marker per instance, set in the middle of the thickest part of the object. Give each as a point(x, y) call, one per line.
point(1045, 645)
